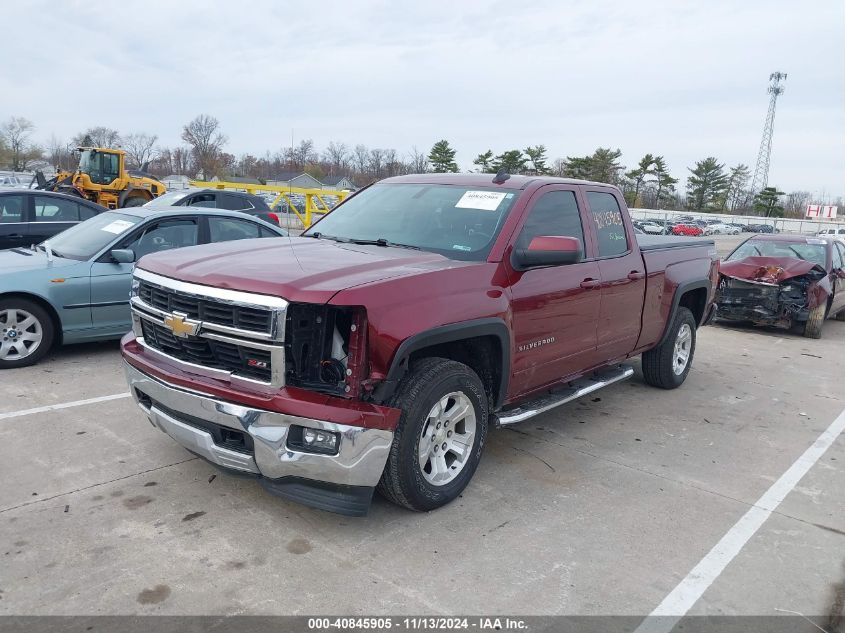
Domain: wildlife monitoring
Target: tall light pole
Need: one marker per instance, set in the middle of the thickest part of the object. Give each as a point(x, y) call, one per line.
point(761, 171)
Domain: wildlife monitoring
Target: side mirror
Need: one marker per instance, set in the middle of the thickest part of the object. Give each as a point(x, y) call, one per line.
point(123, 255)
point(547, 250)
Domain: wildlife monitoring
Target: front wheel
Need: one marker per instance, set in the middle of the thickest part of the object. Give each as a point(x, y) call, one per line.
point(26, 332)
point(441, 433)
point(815, 321)
point(667, 365)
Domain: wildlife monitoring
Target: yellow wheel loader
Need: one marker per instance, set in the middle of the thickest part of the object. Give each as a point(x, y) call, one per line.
point(102, 177)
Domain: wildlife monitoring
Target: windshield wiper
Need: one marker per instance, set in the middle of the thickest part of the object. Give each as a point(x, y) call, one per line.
point(383, 242)
point(322, 236)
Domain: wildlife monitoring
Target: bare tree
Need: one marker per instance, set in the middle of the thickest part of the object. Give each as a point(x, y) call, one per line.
point(16, 132)
point(59, 153)
point(139, 148)
point(796, 203)
point(336, 155)
point(417, 161)
point(206, 143)
point(301, 155)
point(97, 137)
point(361, 158)
point(376, 163)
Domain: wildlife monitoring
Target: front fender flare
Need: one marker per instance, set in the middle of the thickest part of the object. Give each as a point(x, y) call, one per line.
point(450, 333)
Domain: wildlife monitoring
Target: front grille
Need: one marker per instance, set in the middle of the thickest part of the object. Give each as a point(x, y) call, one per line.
point(238, 359)
point(208, 310)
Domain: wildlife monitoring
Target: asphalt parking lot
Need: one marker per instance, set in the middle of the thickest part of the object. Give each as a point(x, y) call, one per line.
point(602, 506)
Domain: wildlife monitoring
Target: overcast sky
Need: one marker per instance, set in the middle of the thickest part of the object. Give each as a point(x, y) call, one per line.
point(682, 79)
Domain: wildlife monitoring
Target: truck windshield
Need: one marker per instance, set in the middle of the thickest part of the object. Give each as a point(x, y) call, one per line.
point(457, 222)
point(88, 238)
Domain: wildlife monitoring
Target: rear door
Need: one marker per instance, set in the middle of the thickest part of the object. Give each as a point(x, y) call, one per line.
point(52, 215)
point(110, 281)
point(14, 228)
point(622, 275)
point(555, 309)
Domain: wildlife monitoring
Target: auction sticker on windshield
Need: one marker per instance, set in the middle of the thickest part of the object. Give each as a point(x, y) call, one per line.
point(484, 200)
point(118, 226)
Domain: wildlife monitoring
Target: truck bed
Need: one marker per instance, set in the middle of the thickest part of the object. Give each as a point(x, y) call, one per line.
point(657, 242)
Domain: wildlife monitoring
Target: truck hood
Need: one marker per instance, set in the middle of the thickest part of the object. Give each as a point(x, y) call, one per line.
point(771, 270)
point(17, 260)
point(298, 269)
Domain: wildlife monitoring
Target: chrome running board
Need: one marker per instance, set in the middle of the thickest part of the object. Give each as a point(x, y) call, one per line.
point(576, 389)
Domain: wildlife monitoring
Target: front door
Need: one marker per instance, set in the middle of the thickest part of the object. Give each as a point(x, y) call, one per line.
point(555, 309)
point(622, 274)
point(110, 281)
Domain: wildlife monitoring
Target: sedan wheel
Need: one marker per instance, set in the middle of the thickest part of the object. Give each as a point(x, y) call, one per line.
point(26, 332)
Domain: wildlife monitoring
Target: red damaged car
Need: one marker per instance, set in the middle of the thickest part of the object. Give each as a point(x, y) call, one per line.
point(690, 230)
point(784, 281)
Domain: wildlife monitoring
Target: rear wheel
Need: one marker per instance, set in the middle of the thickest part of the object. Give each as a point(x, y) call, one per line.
point(840, 316)
point(667, 365)
point(441, 433)
point(26, 333)
point(813, 326)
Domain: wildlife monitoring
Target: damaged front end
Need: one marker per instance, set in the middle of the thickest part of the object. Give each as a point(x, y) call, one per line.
point(770, 291)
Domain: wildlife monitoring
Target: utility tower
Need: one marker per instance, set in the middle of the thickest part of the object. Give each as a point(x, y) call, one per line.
point(761, 172)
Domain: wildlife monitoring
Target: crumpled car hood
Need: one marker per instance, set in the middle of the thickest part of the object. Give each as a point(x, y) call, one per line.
point(768, 270)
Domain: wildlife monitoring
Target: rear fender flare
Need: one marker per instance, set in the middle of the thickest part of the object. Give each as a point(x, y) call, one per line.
point(680, 291)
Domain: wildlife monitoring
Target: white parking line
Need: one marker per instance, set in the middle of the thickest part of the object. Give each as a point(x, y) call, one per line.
point(690, 589)
point(63, 405)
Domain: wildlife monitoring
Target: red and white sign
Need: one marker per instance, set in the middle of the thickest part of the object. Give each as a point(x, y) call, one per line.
point(821, 211)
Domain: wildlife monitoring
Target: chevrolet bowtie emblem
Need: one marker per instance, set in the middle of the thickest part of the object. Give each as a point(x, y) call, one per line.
point(179, 326)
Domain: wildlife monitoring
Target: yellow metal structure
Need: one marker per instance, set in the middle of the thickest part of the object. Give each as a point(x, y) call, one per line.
point(102, 177)
point(315, 203)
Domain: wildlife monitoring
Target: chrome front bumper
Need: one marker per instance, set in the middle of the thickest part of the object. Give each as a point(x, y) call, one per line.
point(360, 460)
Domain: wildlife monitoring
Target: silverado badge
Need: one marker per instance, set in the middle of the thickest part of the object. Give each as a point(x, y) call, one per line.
point(180, 327)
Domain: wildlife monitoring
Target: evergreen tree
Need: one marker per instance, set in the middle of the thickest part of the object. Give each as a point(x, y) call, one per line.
point(766, 202)
point(483, 162)
point(442, 158)
point(512, 161)
point(707, 184)
point(538, 158)
point(664, 182)
point(602, 166)
point(638, 175)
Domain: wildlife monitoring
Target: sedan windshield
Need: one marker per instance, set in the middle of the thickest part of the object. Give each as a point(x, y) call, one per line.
point(815, 253)
point(88, 238)
point(457, 222)
point(168, 199)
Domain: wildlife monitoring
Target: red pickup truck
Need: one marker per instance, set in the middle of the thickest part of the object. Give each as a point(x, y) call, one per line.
point(376, 350)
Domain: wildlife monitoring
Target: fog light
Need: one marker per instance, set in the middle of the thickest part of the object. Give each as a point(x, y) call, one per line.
point(313, 440)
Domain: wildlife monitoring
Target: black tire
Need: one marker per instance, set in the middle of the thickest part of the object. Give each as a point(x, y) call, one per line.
point(428, 381)
point(813, 326)
point(840, 316)
point(45, 324)
point(134, 201)
point(659, 363)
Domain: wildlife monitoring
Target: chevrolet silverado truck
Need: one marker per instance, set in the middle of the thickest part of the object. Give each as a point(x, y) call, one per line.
point(377, 349)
